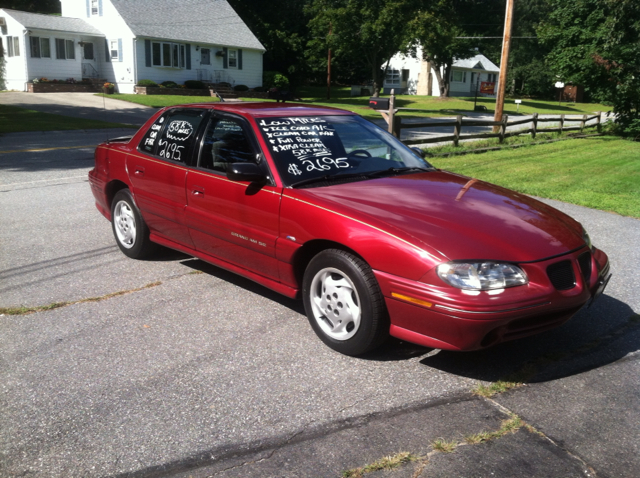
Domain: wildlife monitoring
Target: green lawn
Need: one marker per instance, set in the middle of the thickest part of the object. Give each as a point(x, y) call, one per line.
point(434, 106)
point(159, 101)
point(429, 106)
point(15, 120)
point(600, 173)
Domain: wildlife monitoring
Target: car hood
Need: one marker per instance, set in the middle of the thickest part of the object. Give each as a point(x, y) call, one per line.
point(458, 217)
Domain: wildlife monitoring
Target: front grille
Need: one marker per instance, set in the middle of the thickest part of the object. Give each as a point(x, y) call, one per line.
point(561, 275)
point(585, 265)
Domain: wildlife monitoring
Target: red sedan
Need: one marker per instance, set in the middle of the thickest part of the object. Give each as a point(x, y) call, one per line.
point(321, 204)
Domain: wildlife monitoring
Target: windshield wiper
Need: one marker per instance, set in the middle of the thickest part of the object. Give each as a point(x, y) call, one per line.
point(328, 177)
point(391, 171)
point(363, 175)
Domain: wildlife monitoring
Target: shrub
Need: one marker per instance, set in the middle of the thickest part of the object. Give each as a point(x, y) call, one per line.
point(260, 89)
point(241, 88)
point(194, 84)
point(281, 82)
point(267, 78)
point(169, 84)
point(147, 83)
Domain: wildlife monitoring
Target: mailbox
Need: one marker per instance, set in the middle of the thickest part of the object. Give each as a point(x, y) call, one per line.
point(379, 103)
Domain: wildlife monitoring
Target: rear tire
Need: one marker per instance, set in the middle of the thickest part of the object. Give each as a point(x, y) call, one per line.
point(129, 229)
point(343, 302)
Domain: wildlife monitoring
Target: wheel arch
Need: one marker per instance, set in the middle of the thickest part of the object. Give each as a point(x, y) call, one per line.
point(112, 189)
point(312, 248)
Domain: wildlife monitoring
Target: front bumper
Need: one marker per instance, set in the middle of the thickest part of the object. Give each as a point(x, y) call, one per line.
point(433, 314)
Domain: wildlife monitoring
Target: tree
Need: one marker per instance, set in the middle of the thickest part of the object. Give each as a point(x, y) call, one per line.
point(368, 31)
point(436, 28)
point(596, 43)
point(280, 25)
point(33, 6)
point(527, 74)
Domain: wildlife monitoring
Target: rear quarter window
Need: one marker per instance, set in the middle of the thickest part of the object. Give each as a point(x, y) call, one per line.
point(172, 135)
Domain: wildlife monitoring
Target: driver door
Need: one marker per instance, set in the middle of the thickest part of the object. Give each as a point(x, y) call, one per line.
point(235, 221)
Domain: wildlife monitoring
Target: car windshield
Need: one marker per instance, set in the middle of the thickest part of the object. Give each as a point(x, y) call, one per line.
point(320, 150)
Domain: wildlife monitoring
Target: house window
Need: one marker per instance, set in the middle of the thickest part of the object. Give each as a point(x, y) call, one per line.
point(393, 77)
point(233, 58)
point(172, 55)
point(205, 56)
point(71, 50)
point(166, 54)
point(491, 77)
point(13, 46)
point(65, 49)
point(40, 47)
point(459, 76)
point(88, 51)
point(113, 48)
point(95, 10)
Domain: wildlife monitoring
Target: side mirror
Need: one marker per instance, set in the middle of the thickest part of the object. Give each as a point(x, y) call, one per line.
point(418, 151)
point(245, 172)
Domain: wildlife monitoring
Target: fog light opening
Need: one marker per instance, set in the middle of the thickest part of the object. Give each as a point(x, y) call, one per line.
point(492, 337)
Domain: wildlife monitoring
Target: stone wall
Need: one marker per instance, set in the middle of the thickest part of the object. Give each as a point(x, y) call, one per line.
point(156, 90)
point(47, 87)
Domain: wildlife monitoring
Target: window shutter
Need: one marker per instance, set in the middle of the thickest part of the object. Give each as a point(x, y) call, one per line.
point(107, 53)
point(188, 46)
point(225, 64)
point(100, 7)
point(147, 52)
point(119, 49)
point(88, 8)
point(239, 59)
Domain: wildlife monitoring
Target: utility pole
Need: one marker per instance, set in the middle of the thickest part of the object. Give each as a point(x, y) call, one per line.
point(329, 66)
point(504, 61)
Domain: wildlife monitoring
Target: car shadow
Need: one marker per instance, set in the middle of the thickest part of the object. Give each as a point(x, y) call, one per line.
point(235, 279)
point(594, 337)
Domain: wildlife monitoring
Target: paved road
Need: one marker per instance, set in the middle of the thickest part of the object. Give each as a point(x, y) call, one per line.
point(80, 105)
point(196, 372)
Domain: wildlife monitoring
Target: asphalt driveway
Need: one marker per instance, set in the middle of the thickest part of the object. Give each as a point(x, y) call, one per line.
point(80, 105)
point(172, 367)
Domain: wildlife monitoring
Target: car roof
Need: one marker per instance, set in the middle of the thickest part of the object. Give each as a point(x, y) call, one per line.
point(267, 109)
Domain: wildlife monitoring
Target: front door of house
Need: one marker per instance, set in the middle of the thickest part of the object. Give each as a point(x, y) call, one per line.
point(89, 69)
point(205, 56)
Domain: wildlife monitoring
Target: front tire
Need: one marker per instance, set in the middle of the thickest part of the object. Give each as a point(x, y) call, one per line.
point(129, 229)
point(343, 302)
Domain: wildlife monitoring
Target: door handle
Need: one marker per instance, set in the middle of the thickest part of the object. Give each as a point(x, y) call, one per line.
point(139, 171)
point(197, 191)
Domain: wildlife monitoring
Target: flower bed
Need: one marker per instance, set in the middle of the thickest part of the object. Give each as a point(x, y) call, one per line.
point(49, 87)
point(156, 90)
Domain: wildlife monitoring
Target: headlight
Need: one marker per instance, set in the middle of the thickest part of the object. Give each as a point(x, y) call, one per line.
point(481, 275)
point(586, 238)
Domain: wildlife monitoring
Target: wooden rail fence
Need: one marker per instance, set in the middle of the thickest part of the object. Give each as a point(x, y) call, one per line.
point(396, 126)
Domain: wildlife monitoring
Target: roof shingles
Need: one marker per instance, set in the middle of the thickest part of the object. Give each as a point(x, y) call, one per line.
point(198, 21)
point(52, 22)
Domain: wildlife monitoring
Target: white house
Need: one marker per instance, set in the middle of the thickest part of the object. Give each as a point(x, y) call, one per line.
point(410, 76)
point(123, 41)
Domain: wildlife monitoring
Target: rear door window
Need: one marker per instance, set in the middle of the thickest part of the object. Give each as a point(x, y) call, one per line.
point(172, 136)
